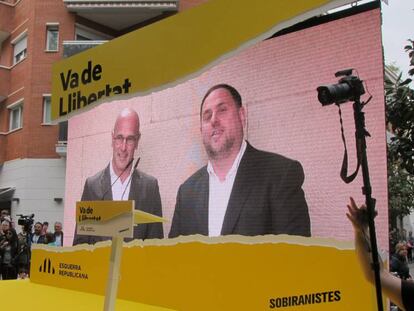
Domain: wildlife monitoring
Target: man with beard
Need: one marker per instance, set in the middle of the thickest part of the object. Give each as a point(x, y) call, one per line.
point(38, 237)
point(119, 181)
point(241, 190)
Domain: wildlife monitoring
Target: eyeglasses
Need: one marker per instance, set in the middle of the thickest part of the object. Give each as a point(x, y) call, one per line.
point(130, 140)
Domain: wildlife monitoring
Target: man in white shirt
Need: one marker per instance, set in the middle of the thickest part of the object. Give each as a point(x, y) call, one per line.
point(58, 233)
point(241, 190)
point(38, 237)
point(119, 181)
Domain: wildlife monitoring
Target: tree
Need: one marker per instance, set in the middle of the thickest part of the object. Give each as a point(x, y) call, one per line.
point(410, 50)
point(401, 193)
point(400, 116)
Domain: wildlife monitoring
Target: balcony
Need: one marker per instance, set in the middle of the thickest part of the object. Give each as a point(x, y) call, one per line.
point(71, 48)
point(4, 82)
point(61, 146)
point(121, 14)
point(6, 13)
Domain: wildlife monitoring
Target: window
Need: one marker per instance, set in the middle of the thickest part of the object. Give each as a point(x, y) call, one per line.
point(52, 37)
point(83, 33)
point(16, 115)
point(47, 113)
point(20, 48)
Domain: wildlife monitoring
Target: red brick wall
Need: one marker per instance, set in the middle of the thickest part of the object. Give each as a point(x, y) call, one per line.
point(32, 77)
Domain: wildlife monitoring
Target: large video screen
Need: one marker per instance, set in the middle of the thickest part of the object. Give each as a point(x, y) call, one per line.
point(245, 147)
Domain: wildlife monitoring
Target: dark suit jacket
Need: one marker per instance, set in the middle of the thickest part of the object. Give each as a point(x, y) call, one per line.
point(54, 233)
point(267, 198)
point(41, 239)
point(144, 190)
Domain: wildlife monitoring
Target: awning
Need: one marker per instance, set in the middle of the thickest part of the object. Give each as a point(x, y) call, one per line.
point(6, 193)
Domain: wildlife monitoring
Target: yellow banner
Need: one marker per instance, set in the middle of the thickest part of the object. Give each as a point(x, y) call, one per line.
point(254, 273)
point(172, 50)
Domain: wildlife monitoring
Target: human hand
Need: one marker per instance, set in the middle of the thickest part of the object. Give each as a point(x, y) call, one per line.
point(357, 215)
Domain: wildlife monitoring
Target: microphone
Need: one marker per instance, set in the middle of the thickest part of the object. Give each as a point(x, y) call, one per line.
point(126, 167)
point(129, 181)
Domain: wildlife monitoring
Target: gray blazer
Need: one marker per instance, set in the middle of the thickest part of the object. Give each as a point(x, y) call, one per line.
point(144, 190)
point(267, 198)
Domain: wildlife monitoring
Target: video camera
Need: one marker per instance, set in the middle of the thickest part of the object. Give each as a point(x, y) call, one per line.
point(26, 221)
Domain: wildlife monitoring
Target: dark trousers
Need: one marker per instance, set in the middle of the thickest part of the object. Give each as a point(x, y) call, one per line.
point(8, 272)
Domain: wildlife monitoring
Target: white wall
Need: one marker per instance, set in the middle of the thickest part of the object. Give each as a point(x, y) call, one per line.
point(37, 183)
point(408, 223)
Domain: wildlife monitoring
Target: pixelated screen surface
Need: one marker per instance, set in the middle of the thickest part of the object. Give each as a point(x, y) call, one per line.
point(295, 187)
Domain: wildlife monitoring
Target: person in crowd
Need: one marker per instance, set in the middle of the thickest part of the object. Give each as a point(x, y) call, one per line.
point(45, 227)
point(3, 214)
point(399, 263)
point(393, 240)
point(5, 225)
point(8, 252)
point(24, 252)
point(38, 237)
point(58, 233)
point(241, 190)
point(121, 181)
point(49, 239)
point(400, 292)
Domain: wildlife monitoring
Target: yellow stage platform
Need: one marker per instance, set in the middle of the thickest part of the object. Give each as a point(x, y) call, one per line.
point(35, 296)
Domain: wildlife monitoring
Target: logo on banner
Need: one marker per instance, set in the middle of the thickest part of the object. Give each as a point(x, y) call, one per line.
point(47, 267)
point(72, 271)
point(63, 269)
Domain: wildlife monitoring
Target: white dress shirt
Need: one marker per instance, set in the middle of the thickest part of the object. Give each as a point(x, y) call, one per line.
point(120, 190)
point(219, 194)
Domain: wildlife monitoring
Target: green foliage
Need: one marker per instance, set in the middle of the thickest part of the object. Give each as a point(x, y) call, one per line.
point(394, 68)
point(401, 191)
point(410, 50)
point(400, 116)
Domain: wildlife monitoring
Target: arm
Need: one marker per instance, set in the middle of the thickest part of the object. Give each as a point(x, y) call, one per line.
point(391, 285)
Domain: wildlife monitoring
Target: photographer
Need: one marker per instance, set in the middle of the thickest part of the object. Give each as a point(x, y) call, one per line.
point(24, 250)
point(400, 292)
point(24, 244)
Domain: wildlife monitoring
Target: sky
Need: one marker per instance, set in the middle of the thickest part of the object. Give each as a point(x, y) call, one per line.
point(397, 27)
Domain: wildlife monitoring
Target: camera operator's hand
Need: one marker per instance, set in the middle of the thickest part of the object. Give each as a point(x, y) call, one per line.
point(391, 285)
point(358, 216)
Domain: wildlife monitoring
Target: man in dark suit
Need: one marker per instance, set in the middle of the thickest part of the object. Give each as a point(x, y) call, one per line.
point(118, 181)
point(38, 237)
point(241, 190)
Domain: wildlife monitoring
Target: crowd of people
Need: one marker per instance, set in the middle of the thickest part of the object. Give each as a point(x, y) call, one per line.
point(15, 248)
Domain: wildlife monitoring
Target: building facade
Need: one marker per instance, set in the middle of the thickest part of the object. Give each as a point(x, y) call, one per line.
point(34, 35)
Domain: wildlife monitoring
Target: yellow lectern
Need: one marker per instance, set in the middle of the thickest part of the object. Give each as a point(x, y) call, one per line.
point(115, 219)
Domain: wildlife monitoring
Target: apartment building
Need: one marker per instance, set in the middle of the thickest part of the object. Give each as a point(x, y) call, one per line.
point(34, 35)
